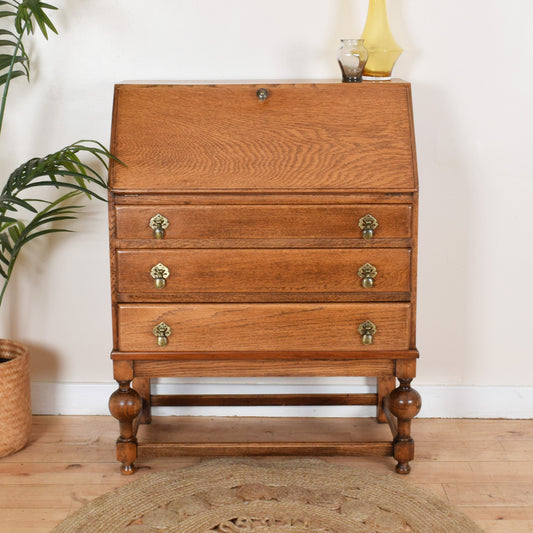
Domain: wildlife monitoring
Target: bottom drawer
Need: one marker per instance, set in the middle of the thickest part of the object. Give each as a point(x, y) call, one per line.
point(263, 327)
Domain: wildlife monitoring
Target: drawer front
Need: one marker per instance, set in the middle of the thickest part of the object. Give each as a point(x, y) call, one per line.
point(223, 137)
point(218, 222)
point(263, 271)
point(263, 327)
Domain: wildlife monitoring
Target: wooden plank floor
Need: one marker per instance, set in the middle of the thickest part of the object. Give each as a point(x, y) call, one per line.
point(485, 467)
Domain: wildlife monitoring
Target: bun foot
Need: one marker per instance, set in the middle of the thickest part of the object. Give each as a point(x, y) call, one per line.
point(403, 468)
point(128, 470)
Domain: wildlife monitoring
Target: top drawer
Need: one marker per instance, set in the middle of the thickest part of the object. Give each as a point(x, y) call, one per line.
point(335, 136)
point(232, 223)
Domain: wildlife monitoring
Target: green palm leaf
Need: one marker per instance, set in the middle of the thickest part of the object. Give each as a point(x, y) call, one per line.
point(65, 163)
point(14, 61)
point(30, 10)
point(62, 170)
point(10, 203)
point(78, 169)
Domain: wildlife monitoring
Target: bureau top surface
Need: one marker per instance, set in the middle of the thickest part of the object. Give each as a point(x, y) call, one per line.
point(302, 136)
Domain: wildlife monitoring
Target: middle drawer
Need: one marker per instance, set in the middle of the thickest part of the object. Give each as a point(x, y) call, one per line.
point(155, 273)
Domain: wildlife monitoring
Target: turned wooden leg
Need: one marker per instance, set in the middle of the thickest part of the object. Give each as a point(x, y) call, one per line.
point(142, 386)
point(125, 405)
point(404, 403)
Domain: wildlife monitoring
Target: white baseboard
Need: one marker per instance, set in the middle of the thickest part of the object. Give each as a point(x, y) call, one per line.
point(437, 401)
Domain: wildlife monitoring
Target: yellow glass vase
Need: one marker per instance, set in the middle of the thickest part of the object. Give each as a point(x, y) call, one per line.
point(383, 50)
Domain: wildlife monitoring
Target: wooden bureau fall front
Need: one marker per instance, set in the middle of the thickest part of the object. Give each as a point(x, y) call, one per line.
point(264, 230)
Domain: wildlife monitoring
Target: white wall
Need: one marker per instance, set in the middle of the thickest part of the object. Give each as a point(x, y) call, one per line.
point(470, 68)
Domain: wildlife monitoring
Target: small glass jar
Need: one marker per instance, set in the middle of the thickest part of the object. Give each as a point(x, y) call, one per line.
point(352, 57)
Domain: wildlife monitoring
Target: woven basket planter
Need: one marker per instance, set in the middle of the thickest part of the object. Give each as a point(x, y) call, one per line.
point(15, 399)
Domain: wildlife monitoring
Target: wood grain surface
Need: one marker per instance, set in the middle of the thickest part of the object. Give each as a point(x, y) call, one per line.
point(280, 271)
point(222, 137)
point(232, 449)
point(216, 222)
point(228, 367)
point(241, 327)
point(263, 399)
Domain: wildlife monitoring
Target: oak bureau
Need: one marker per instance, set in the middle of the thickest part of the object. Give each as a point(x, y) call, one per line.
point(264, 230)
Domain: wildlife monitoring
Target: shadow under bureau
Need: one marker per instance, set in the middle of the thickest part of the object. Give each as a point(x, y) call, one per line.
point(264, 230)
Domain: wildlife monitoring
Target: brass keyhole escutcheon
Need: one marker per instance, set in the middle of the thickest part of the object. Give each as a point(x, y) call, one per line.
point(367, 330)
point(159, 224)
point(160, 273)
point(162, 331)
point(368, 224)
point(367, 273)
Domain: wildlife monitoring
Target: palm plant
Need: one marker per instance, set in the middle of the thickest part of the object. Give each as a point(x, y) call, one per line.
point(22, 216)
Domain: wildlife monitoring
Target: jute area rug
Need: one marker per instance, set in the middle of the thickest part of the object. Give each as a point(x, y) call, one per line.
point(239, 496)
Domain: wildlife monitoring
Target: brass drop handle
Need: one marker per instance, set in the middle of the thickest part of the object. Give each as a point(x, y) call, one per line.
point(368, 224)
point(367, 330)
point(162, 331)
point(160, 273)
point(159, 224)
point(367, 273)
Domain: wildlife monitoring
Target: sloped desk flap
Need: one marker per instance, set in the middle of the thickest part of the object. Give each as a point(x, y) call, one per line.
point(314, 136)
